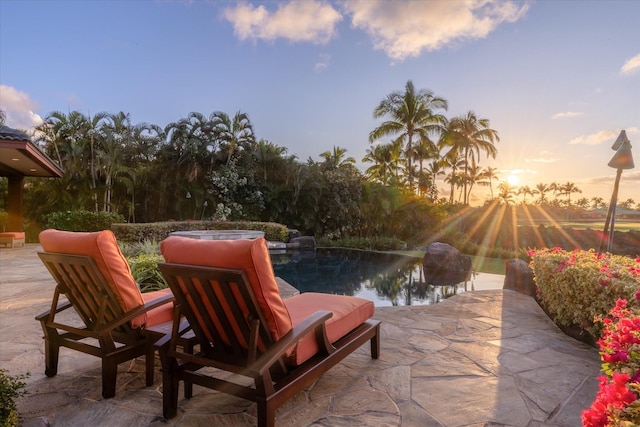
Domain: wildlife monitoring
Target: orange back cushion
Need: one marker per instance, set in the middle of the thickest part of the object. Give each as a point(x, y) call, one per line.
point(103, 248)
point(252, 256)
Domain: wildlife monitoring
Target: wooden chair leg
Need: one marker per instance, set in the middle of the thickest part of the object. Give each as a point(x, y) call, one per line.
point(109, 374)
point(266, 413)
point(169, 396)
point(188, 385)
point(149, 361)
point(51, 353)
point(375, 344)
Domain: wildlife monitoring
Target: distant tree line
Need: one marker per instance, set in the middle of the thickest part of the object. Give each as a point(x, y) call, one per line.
point(214, 167)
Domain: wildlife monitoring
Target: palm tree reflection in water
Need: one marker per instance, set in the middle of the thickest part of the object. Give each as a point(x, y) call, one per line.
point(387, 279)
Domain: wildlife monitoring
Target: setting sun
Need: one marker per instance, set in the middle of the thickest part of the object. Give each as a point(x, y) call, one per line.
point(513, 180)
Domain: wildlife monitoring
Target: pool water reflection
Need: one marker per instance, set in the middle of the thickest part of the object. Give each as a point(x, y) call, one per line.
point(386, 279)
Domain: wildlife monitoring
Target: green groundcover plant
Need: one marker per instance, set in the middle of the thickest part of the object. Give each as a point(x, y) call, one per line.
point(617, 403)
point(11, 387)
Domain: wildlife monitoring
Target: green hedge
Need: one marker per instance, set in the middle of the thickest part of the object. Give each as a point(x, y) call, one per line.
point(81, 220)
point(579, 286)
point(159, 231)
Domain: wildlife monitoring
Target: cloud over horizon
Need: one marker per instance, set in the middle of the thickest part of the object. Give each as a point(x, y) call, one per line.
point(567, 114)
point(304, 21)
point(631, 65)
point(400, 29)
point(405, 29)
point(19, 108)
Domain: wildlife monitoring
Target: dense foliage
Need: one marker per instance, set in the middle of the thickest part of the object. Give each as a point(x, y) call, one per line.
point(11, 387)
point(579, 286)
point(617, 403)
point(81, 220)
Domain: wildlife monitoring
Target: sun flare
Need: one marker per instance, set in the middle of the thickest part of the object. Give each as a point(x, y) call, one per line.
point(513, 180)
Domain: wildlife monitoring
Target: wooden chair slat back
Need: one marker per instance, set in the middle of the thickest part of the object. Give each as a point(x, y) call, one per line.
point(79, 278)
point(221, 308)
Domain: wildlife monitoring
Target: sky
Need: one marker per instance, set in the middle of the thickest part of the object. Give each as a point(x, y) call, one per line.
point(557, 79)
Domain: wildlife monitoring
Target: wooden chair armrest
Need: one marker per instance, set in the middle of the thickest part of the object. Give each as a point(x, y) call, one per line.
point(182, 328)
point(135, 313)
point(61, 307)
point(275, 352)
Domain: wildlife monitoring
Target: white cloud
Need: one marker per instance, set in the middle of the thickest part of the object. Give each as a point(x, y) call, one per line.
point(297, 21)
point(596, 138)
point(544, 157)
point(604, 136)
point(627, 176)
point(566, 114)
point(632, 65)
point(405, 29)
point(18, 108)
point(323, 62)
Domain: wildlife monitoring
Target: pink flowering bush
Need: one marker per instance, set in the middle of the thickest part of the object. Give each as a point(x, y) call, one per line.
point(618, 400)
point(576, 287)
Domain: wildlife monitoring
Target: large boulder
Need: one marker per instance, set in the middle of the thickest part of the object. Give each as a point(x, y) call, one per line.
point(519, 277)
point(305, 243)
point(445, 265)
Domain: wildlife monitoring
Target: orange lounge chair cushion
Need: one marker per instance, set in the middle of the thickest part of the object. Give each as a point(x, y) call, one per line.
point(103, 248)
point(161, 314)
point(348, 314)
point(252, 256)
point(14, 234)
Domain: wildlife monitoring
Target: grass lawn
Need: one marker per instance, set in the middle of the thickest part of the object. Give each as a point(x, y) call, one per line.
point(620, 225)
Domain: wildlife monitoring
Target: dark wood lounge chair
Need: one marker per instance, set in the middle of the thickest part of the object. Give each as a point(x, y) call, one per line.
point(227, 292)
point(92, 274)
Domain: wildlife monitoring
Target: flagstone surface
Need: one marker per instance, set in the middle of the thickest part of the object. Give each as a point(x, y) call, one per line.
point(482, 358)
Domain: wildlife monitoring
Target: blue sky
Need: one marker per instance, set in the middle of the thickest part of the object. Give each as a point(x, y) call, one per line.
point(557, 79)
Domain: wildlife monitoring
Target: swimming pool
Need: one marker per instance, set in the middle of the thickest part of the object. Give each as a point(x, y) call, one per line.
point(386, 279)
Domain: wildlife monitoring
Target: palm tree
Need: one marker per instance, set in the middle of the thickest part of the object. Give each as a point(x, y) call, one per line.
point(233, 134)
point(469, 135)
point(506, 192)
point(490, 174)
point(525, 190)
point(94, 130)
point(582, 203)
point(627, 204)
point(542, 189)
point(597, 202)
point(453, 161)
point(412, 117)
point(266, 154)
point(567, 189)
point(386, 160)
point(425, 149)
point(472, 176)
point(336, 159)
point(434, 169)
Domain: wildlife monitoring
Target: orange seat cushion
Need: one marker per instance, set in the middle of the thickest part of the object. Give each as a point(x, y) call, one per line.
point(348, 313)
point(103, 248)
point(161, 314)
point(252, 256)
point(14, 234)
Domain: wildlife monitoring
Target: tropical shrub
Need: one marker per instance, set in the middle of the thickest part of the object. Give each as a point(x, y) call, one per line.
point(618, 400)
point(81, 220)
point(158, 231)
point(144, 269)
point(11, 387)
point(576, 287)
point(370, 243)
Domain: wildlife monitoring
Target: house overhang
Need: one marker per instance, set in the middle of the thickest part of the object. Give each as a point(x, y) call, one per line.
point(21, 157)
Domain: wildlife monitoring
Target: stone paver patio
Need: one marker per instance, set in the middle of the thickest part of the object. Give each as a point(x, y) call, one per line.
point(483, 358)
